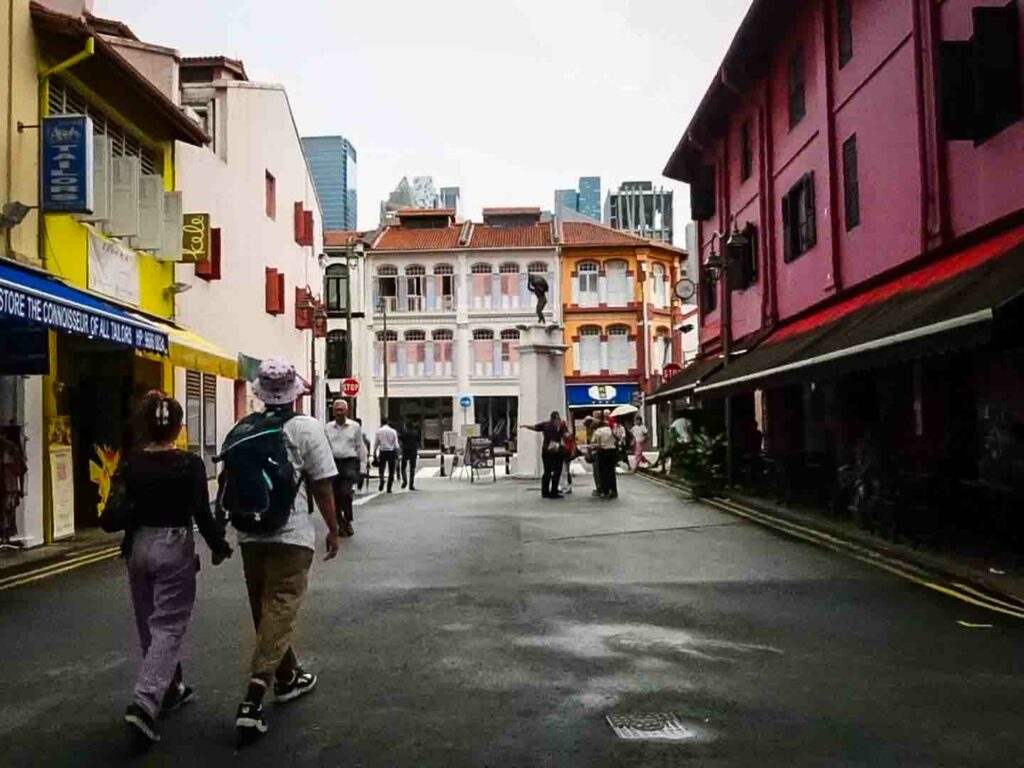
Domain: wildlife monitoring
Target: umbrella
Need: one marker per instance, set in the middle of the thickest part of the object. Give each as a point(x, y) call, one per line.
point(624, 410)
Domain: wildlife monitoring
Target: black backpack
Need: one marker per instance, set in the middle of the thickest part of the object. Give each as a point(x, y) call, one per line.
point(257, 487)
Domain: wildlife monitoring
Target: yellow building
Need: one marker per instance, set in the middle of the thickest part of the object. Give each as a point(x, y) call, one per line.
point(619, 314)
point(87, 297)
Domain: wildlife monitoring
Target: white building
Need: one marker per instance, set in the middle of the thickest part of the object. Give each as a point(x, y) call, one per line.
point(452, 298)
point(344, 292)
point(254, 182)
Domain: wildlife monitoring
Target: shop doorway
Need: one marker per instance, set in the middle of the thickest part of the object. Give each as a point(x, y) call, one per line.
point(498, 418)
point(433, 416)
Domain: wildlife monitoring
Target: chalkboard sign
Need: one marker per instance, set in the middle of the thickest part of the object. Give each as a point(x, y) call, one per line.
point(480, 456)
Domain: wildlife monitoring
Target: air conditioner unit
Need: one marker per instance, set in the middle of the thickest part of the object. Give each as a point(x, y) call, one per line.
point(151, 213)
point(124, 209)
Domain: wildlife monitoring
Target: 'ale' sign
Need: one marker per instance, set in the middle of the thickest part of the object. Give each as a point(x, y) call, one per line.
point(195, 237)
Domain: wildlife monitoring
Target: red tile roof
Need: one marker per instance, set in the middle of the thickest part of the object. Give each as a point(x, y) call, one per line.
point(235, 65)
point(341, 238)
point(406, 213)
point(521, 211)
point(580, 233)
point(484, 236)
point(410, 239)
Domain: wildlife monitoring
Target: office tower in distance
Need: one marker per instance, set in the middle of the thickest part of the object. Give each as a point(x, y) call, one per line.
point(451, 197)
point(640, 208)
point(590, 197)
point(566, 200)
point(332, 163)
point(421, 193)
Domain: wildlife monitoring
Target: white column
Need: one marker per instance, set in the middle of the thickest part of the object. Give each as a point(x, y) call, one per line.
point(541, 390)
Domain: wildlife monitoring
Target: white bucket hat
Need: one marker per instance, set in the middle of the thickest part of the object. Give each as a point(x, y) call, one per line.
point(277, 383)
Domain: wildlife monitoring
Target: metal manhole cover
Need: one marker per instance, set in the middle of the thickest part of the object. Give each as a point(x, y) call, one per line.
point(650, 726)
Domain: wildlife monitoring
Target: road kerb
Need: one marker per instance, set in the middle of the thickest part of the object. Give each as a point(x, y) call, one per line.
point(59, 567)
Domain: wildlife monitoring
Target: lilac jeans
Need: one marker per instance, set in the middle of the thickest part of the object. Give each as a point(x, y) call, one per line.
point(162, 574)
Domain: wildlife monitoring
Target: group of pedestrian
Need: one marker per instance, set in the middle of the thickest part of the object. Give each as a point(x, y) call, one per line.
point(273, 462)
point(395, 451)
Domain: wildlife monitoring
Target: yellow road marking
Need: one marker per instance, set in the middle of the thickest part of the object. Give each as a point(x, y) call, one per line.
point(54, 569)
point(970, 625)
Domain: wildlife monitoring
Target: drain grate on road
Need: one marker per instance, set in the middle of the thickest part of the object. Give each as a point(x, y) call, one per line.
point(650, 726)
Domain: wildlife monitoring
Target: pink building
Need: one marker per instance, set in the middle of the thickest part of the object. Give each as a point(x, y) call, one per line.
point(869, 153)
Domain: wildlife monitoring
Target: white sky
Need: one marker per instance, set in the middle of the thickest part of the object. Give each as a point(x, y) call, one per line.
point(509, 101)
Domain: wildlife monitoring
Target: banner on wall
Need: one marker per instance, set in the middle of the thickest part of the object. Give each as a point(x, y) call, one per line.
point(113, 269)
point(62, 491)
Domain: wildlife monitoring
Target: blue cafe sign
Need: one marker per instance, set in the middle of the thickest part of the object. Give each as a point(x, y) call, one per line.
point(67, 158)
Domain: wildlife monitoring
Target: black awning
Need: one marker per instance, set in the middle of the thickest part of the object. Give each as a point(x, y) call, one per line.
point(684, 382)
point(945, 305)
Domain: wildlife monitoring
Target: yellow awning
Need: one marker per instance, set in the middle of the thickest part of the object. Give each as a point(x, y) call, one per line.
point(192, 351)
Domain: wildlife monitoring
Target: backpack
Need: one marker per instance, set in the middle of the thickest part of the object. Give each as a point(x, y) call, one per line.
point(257, 487)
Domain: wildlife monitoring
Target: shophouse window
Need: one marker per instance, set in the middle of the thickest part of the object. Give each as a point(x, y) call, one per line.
point(483, 353)
point(414, 287)
point(510, 352)
point(708, 291)
point(587, 281)
point(387, 287)
point(799, 228)
point(746, 152)
point(590, 350)
point(743, 264)
point(851, 184)
point(509, 285)
point(617, 279)
point(702, 194)
point(270, 190)
point(844, 23)
point(444, 280)
point(415, 353)
point(337, 355)
point(482, 287)
point(201, 416)
point(981, 78)
point(660, 286)
point(620, 350)
point(336, 287)
point(390, 341)
point(662, 348)
point(797, 88)
point(537, 268)
point(443, 352)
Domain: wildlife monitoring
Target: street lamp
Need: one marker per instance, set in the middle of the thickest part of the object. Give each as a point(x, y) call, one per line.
point(718, 266)
point(352, 258)
point(384, 354)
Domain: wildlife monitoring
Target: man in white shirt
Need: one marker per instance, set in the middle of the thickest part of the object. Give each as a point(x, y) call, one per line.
point(607, 457)
point(385, 449)
point(349, 450)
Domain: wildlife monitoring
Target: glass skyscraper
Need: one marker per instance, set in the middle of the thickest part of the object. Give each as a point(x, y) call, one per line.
point(332, 162)
point(590, 197)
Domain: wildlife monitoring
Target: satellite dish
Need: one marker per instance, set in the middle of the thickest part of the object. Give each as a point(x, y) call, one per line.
point(685, 289)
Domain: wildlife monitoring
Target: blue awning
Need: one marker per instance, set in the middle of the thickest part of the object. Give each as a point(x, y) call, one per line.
point(31, 297)
point(601, 395)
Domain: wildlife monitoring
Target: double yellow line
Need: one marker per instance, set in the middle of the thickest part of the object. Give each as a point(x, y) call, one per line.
point(61, 566)
point(904, 570)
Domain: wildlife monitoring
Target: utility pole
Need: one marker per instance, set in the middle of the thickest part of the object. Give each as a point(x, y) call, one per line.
point(384, 307)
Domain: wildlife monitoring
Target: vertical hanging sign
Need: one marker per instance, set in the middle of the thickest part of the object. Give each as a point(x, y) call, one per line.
point(67, 156)
point(195, 237)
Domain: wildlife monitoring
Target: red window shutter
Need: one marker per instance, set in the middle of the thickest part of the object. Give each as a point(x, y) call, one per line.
point(299, 223)
point(275, 292)
point(280, 293)
point(210, 269)
point(303, 309)
point(307, 228)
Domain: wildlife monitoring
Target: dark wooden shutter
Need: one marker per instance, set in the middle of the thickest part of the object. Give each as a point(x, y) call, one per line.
point(997, 81)
point(788, 225)
point(956, 61)
point(210, 269)
point(702, 194)
point(844, 25)
point(810, 233)
point(797, 88)
point(851, 184)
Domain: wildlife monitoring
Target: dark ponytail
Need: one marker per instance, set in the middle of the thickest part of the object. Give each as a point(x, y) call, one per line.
point(160, 417)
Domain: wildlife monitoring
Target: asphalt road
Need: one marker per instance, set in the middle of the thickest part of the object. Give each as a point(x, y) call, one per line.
point(482, 627)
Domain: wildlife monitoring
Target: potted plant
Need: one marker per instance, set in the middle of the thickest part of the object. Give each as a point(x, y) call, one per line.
point(700, 463)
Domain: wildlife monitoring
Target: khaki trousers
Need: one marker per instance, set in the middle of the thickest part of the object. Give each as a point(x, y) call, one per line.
point(276, 576)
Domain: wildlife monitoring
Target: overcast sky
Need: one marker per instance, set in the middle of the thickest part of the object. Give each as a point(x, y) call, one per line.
point(508, 100)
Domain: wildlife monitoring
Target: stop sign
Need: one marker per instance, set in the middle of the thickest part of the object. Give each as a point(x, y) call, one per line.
point(671, 370)
point(350, 387)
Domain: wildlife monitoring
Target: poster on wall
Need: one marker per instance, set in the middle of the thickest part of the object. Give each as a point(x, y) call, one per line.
point(62, 491)
point(113, 269)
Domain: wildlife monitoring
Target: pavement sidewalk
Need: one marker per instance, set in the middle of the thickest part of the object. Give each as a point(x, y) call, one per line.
point(87, 546)
point(984, 573)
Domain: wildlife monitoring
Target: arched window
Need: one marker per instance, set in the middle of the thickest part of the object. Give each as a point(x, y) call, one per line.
point(663, 353)
point(443, 352)
point(510, 289)
point(386, 288)
point(509, 268)
point(483, 353)
point(444, 280)
point(392, 353)
point(510, 352)
point(415, 288)
point(415, 269)
point(620, 351)
point(391, 335)
point(537, 268)
point(337, 355)
point(482, 287)
point(617, 283)
point(587, 284)
point(660, 286)
point(336, 287)
point(415, 336)
point(510, 335)
point(589, 358)
point(415, 354)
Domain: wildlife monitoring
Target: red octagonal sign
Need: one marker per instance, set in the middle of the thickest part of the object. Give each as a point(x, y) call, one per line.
point(350, 387)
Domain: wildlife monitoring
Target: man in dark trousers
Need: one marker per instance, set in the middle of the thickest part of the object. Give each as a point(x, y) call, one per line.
point(385, 448)
point(409, 441)
point(349, 450)
point(552, 453)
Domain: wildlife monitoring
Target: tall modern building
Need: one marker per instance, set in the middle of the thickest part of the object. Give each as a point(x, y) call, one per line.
point(590, 197)
point(451, 197)
point(639, 208)
point(586, 200)
point(421, 194)
point(332, 162)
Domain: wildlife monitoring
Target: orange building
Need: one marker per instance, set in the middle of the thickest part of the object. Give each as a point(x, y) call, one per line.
point(620, 313)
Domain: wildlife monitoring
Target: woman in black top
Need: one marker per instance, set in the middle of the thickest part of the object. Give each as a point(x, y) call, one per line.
point(165, 491)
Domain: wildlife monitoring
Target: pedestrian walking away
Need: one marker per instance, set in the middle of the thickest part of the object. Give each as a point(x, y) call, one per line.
point(385, 451)
point(607, 459)
point(349, 451)
point(552, 434)
point(409, 441)
point(639, 432)
point(272, 461)
point(157, 494)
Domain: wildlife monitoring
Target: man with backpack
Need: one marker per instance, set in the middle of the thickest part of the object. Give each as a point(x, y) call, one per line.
point(272, 461)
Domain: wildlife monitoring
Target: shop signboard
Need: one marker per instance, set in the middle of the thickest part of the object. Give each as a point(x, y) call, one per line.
point(195, 238)
point(600, 395)
point(113, 269)
point(67, 158)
